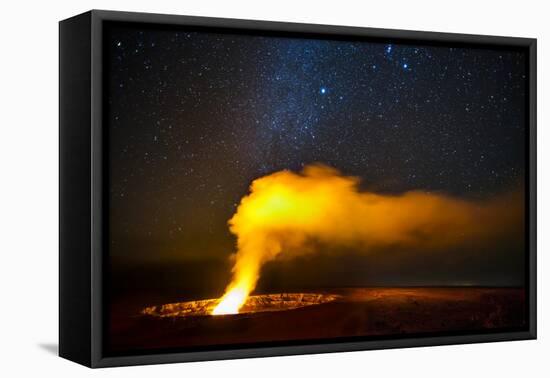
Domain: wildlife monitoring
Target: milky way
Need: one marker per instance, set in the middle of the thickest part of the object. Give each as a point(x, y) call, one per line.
point(194, 117)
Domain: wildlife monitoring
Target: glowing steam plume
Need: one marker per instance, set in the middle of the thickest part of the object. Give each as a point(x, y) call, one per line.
point(285, 211)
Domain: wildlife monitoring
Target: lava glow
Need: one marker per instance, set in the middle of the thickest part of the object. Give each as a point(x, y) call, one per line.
point(292, 214)
point(231, 302)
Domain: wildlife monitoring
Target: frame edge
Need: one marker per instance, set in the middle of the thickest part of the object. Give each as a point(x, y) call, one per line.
point(74, 192)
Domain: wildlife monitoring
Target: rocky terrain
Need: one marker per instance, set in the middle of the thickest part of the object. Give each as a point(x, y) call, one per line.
point(338, 313)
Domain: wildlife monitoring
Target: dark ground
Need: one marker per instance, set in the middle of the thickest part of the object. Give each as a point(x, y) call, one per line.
point(360, 312)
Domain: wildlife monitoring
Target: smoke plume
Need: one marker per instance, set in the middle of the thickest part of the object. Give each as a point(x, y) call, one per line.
point(289, 214)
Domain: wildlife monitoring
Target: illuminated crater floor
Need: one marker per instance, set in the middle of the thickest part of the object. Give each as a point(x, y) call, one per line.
point(254, 304)
point(331, 313)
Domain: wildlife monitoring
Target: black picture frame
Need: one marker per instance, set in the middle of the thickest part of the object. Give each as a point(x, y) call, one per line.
point(83, 200)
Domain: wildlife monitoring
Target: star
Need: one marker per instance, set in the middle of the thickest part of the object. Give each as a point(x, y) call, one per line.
point(323, 90)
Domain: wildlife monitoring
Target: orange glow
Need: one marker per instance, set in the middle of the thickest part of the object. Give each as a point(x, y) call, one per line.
point(231, 302)
point(286, 211)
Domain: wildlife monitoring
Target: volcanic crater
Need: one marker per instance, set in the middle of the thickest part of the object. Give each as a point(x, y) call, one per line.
point(253, 304)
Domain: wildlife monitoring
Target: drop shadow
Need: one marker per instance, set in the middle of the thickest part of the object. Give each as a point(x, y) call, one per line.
point(51, 348)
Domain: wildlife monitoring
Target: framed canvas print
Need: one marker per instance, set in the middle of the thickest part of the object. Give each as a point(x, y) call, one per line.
point(234, 188)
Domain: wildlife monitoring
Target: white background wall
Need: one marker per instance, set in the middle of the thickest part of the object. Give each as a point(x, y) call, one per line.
point(29, 174)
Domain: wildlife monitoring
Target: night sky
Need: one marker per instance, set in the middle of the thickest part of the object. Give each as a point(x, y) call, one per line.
point(194, 117)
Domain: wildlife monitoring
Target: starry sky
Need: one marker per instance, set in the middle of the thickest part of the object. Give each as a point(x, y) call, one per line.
point(195, 116)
